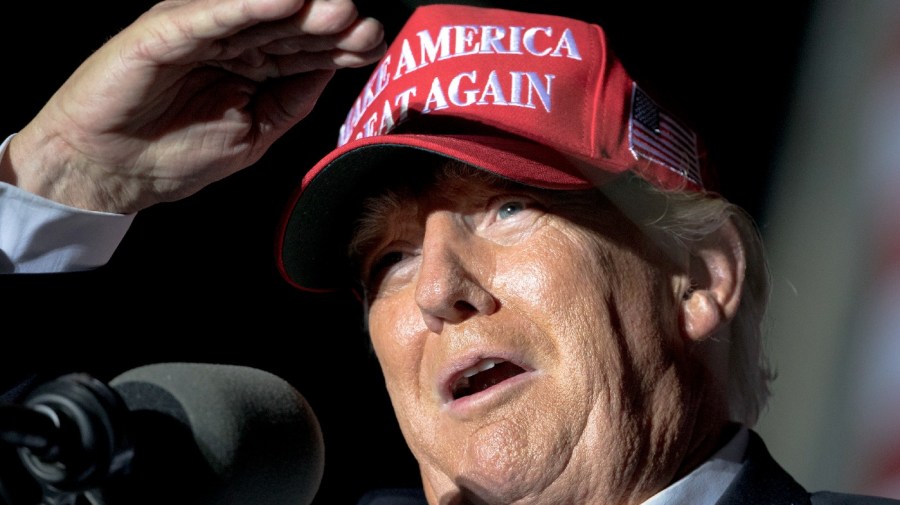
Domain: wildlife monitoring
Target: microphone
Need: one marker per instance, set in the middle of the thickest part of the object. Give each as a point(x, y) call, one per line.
point(174, 433)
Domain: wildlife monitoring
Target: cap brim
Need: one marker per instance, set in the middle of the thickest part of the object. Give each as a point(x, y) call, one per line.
point(318, 224)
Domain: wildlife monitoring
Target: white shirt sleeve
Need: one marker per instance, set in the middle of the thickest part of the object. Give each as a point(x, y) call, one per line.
point(38, 235)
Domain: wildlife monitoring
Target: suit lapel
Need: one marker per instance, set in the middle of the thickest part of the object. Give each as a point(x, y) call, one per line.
point(761, 480)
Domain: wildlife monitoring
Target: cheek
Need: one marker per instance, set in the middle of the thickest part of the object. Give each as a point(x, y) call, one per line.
point(545, 274)
point(562, 288)
point(398, 337)
point(558, 284)
point(594, 300)
point(529, 281)
point(394, 330)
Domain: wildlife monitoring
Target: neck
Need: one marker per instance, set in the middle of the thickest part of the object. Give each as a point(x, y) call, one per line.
point(706, 445)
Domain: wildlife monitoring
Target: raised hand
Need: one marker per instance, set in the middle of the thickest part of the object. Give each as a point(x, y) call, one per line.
point(191, 92)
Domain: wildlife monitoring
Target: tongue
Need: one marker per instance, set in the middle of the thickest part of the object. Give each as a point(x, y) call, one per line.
point(483, 380)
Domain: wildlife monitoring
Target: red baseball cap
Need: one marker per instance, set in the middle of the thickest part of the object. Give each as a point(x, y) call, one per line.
point(536, 98)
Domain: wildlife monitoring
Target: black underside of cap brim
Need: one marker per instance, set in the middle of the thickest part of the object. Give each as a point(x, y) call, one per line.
point(319, 228)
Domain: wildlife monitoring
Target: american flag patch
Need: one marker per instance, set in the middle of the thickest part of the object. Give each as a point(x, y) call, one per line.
point(657, 136)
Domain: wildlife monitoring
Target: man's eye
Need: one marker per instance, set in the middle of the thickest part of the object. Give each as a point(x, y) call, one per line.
point(386, 261)
point(509, 208)
point(382, 264)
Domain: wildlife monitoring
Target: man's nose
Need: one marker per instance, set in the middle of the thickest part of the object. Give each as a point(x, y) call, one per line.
point(454, 269)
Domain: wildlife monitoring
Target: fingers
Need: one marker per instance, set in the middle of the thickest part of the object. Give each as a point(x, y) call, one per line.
point(358, 59)
point(214, 19)
point(362, 35)
point(182, 30)
point(261, 67)
point(358, 45)
point(327, 17)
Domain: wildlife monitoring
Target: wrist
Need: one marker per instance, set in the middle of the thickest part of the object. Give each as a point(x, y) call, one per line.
point(44, 165)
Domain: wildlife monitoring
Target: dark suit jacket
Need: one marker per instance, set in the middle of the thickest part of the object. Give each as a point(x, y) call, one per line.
point(761, 481)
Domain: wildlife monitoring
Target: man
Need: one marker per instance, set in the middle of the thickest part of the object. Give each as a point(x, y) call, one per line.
point(576, 318)
point(563, 310)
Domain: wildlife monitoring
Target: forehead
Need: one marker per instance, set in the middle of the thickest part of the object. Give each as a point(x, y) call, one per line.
point(414, 189)
point(417, 190)
point(449, 184)
point(445, 178)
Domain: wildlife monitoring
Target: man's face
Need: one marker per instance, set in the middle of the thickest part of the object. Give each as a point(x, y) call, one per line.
point(530, 345)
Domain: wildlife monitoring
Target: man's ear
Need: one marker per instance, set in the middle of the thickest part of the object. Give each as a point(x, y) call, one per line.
point(716, 272)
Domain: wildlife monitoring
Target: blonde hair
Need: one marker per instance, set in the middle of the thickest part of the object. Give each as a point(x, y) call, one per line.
point(680, 218)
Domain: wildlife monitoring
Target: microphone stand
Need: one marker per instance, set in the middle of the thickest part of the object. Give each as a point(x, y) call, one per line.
point(69, 436)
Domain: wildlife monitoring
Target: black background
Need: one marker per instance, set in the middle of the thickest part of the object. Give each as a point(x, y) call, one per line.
point(195, 280)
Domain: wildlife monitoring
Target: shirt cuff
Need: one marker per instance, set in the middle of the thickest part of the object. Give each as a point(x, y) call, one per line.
point(38, 235)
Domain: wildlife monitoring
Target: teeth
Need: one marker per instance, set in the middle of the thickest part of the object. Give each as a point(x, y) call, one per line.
point(480, 367)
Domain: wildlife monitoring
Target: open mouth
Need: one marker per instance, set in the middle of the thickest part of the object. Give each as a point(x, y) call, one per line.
point(485, 373)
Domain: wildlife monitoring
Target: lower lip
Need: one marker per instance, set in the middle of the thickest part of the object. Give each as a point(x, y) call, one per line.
point(489, 397)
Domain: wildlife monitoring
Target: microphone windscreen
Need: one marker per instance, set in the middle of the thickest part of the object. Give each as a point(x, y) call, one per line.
point(212, 433)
